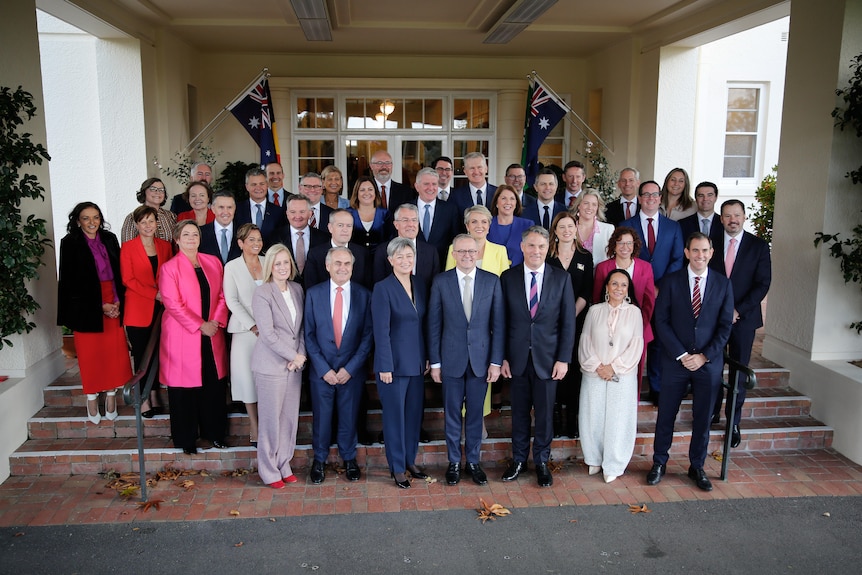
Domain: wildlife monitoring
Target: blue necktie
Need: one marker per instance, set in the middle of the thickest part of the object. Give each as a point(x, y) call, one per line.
point(478, 197)
point(426, 222)
point(224, 248)
point(534, 296)
point(258, 219)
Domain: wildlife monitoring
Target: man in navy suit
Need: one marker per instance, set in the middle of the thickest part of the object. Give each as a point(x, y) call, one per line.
point(406, 224)
point(626, 206)
point(574, 175)
point(218, 238)
point(465, 347)
point(340, 230)
point(297, 235)
point(750, 273)
point(338, 336)
point(275, 185)
point(540, 336)
point(439, 221)
point(517, 178)
point(705, 220)
point(542, 213)
point(477, 191)
point(693, 318)
point(257, 210)
point(662, 246)
point(311, 185)
point(444, 168)
point(392, 193)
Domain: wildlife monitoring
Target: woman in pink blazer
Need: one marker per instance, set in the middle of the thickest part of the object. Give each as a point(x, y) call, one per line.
point(622, 245)
point(277, 362)
point(140, 260)
point(193, 355)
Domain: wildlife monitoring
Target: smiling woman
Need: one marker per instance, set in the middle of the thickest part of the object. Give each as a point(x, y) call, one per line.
point(152, 193)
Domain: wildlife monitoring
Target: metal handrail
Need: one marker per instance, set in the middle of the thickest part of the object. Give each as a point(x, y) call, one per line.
point(132, 393)
point(732, 385)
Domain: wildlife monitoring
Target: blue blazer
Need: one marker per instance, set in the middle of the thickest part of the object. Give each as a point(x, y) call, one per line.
point(462, 198)
point(531, 212)
point(427, 263)
point(550, 336)
point(399, 328)
point(315, 266)
point(273, 218)
point(457, 344)
point(320, 335)
point(679, 331)
point(668, 254)
point(750, 278)
point(512, 239)
point(691, 224)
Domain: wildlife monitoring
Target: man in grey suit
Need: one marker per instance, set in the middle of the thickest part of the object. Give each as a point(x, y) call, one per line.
point(465, 347)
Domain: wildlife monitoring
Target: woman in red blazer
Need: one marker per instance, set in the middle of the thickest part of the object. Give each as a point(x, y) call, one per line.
point(622, 245)
point(140, 260)
point(192, 350)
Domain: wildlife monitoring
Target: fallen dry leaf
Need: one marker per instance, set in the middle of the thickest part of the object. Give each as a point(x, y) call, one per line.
point(19, 534)
point(188, 484)
point(639, 508)
point(238, 544)
point(827, 514)
point(272, 519)
point(430, 479)
point(168, 474)
point(129, 491)
point(234, 512)
point(717, 455)
point(491, 512)
point(147, 505)
point(556, 466)
point(238, 472)
point(204, 473)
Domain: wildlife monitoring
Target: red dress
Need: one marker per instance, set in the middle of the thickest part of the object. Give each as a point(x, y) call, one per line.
point(103, 357)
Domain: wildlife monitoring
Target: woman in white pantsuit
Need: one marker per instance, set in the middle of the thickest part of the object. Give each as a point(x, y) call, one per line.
point(610, 349)
point(277, 362)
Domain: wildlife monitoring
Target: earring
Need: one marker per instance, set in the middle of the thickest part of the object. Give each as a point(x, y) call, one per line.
point(628, 299)
point(607, 298)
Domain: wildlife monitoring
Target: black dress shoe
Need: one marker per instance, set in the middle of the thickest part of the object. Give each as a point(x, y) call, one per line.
point(453, 474)
point(653, 397)
point(475, 471)
point(364, 438)
point(317, 474)
point(424, 437)
point(401, 483)
point(219, 445)
point(655, 474)
point(700, 478)
point(543, 475)
point(351, 470)
point(513, 471)
point(148, 414)
point(380, 437)
point(190, 450)
point(573, 432)
point(716, 418)
point(416, 473)
point(735, 436)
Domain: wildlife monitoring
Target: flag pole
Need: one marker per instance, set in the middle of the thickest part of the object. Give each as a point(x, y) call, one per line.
point(569, 109)
point(221, 114)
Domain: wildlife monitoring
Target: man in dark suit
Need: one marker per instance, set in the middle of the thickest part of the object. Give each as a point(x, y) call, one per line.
point(745, 259)
point(477, 191)
point(540, 335)
point(542, 213)
point(392, 193)
point(626, 206)
point(574, 175)
point(311, 185)
point(517, 178)
point(338, 339)
point(439, 221)
point(276, 193)
point(693, 318)
point(705, 220)
point(406, 223)
point(200, 172)
point(297, 235)
point(662, 246)
point(218, 238)
point(257, 210)
point(465, 347)
point(444, 168)
point(340, 230)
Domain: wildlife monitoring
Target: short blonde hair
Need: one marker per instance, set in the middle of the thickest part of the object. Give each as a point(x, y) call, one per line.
point(269, 260)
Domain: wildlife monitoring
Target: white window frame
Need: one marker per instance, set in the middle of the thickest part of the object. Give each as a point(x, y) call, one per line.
point(760, 134)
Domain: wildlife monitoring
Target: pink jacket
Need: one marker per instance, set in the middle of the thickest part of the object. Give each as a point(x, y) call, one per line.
point(180, 346)
point(644, 289)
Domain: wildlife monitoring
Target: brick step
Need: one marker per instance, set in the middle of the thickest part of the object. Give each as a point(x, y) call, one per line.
point(96, 455)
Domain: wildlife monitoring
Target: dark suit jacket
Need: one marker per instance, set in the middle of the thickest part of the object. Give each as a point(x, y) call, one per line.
point(615, 213)
point(526, 200)
point(315, 266)
point(399, 328)
point(320, 335)
point(463, 198)
point(691, 224)
point(533, 213)
point(399, 194)
point(751, 277)
point(550, 336)
point(446, 224)
point(318, 238)
point(210, 243)
point(323, 224)
point(273, 218)
point(79, 293)
point(427, 263)
point(457, 344)
point(678, 330)
point(668, 254)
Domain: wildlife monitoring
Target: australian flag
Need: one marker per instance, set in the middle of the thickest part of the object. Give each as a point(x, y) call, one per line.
point(254, 112)
point(543, 113)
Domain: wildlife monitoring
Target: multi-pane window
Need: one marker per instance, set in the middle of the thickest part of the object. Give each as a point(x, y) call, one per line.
point(741, 131)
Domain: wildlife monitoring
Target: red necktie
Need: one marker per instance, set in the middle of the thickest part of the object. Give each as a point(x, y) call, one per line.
point(337, 315)
point(383, 201)
point(275, 199)
point(650, 236)
point(628, 210)
point(695, 297)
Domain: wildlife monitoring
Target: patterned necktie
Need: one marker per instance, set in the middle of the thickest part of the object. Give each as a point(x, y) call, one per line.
point(275, 199)
point(467, 298)
point(628, 210)
point(383, 201)
point(695, 297)
point(224, 245)
point(572, 200)
point(546, 219)
point(534, 295)
point(426, 222)
point(730, 257)
point(479, 197)
point(258, 218)
point(313, 221)
point(704, 226)
point(650, 236)
point(337, 315)
point(300, 251)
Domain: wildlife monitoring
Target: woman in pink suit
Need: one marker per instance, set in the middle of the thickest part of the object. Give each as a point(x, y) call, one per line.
point(622, 245)
point(140, 260)
point(277, 362)
point(192, 350)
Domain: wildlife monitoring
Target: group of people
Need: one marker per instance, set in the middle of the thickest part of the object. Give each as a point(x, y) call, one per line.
point(471, 284)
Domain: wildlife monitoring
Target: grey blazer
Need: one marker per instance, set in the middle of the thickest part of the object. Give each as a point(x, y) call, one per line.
point(280, 339)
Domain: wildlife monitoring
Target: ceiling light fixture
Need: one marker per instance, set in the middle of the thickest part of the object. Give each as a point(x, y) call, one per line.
point(516, 19)
point(314, 19)
point(387, 107)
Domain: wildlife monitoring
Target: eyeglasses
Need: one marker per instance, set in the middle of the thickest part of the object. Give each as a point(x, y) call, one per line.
point(378, 163)
point(312, 186)
point(156, 189)
point(465, 252)
point(651, 195)
point(626, 244)
point(443, 169)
